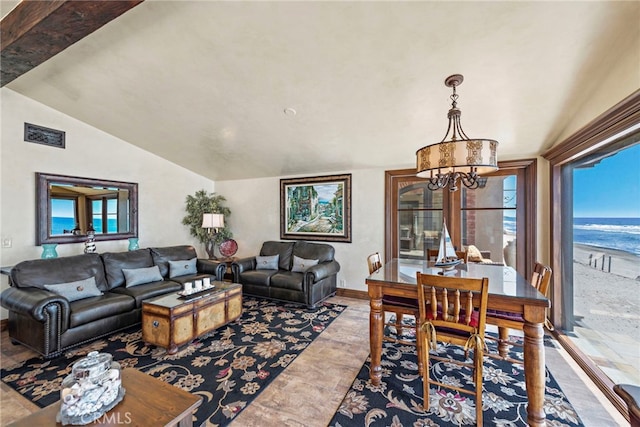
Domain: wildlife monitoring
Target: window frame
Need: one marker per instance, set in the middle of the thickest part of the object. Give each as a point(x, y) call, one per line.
point(526, 172)
point(618, 122)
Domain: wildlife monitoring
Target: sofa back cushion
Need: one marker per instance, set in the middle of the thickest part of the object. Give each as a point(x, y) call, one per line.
point(39, 272)
point(320, 251)
point(114, 262)
point(284, 249)
point(162, 256)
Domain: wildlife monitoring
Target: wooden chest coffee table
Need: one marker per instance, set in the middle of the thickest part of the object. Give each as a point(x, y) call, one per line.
point(169, 321)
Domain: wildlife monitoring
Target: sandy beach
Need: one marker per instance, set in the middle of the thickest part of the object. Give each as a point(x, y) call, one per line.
point(607, 310)
point(620, 263)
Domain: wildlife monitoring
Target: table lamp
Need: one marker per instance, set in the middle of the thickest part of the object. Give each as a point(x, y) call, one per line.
point(212, 221)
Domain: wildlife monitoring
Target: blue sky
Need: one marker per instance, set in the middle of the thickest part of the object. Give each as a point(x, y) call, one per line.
point(62, 208)
point(611, 189)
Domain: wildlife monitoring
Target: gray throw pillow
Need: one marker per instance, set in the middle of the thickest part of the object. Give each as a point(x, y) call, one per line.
point(140, 276)
point(182, 267)
point(267, 262)
point(300, 265)
point(77, 290)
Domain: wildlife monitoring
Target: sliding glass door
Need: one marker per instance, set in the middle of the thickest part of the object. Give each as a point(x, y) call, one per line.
point(595, 246)
point(601, 299)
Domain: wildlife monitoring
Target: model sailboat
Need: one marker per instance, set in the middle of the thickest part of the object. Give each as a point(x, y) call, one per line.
point(447, 257)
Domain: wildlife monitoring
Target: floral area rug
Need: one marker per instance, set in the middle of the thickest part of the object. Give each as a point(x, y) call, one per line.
point(228, 367)
point(397, 401)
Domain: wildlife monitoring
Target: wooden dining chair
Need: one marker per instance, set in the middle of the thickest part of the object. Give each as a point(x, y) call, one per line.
point(449, 314)
point(631, 395)
point(504, 320)
point(396, 305)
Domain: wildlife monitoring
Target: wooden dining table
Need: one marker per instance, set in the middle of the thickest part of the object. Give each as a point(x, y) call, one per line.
point(508, 291)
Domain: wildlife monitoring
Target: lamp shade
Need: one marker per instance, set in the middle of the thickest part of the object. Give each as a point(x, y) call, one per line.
point(211, 220)
point(475, 155)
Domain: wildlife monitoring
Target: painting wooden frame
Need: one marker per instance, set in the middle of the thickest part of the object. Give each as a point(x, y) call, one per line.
point(316, 208)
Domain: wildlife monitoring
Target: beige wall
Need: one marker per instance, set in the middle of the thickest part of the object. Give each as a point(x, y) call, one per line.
point(255, 207)
point(162, 185)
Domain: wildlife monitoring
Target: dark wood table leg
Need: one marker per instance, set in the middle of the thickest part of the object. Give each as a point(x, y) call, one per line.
point(376, 325)
point(534, 371)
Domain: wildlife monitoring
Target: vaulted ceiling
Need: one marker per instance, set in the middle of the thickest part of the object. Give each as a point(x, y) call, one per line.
point(235, 90)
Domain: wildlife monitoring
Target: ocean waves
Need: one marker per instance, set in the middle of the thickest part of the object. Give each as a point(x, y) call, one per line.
point(613, 233)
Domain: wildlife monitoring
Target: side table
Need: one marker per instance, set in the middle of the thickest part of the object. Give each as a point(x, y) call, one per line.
point(148, 401)
point(228, 275)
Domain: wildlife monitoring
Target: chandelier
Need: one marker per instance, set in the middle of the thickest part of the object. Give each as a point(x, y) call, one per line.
point(456, 157)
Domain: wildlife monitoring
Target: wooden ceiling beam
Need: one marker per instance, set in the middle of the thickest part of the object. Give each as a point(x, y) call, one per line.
point(36, 30)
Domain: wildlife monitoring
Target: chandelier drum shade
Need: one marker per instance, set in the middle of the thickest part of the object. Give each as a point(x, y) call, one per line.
point(457, 158)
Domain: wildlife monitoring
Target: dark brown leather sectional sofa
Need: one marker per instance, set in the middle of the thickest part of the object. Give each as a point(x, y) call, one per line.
point(50, 323)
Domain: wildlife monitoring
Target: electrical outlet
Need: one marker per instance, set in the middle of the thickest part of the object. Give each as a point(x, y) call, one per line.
point(7, 242)
point(342, 283)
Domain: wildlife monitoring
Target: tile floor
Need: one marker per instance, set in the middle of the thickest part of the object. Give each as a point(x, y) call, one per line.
point(309, 391)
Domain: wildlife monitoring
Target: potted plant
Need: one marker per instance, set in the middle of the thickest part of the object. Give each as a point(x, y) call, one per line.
point(204, 202)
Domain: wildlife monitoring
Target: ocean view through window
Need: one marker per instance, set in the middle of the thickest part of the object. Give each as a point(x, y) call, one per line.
point(604, 319)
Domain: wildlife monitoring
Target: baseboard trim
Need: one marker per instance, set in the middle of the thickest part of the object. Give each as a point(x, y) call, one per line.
point(352, 293)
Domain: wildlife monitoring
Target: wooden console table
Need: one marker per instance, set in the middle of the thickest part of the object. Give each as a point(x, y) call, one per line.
point(148, 401)
point(170, 322)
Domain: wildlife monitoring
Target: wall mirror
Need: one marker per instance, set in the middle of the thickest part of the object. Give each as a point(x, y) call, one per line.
point(68, 207)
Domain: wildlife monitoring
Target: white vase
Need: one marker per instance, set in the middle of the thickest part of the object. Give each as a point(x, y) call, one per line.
point(509, 253)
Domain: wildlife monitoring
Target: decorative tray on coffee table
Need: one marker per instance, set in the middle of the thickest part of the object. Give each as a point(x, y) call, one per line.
point(196, 294)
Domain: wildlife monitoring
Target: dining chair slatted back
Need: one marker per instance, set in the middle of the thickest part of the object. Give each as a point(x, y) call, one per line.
point(399, 306)
point(540, 279)
point(452, 310)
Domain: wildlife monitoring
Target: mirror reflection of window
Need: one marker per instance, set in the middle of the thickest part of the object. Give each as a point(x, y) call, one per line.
point(68, 207)
point(63, 216)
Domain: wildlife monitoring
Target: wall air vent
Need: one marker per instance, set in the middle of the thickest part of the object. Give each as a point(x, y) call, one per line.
point(43, 135)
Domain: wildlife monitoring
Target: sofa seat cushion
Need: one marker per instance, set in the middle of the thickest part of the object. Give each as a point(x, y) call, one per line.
point(142, 292)
point(95, 308)
point(287, 280)
point(257, 277)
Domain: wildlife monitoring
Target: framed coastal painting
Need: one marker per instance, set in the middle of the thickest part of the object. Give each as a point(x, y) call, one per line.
point(316, 208)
